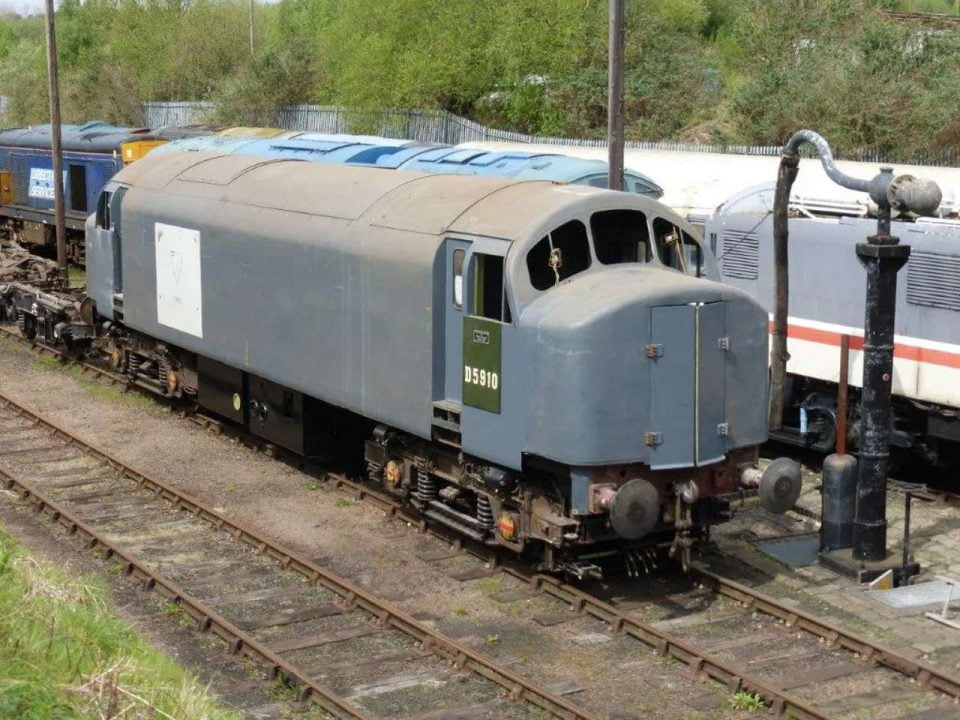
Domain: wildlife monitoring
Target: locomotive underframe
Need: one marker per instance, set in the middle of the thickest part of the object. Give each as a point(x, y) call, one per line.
point(39, 235)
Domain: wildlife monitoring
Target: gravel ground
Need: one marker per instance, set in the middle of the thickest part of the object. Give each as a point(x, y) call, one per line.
point(496, 615)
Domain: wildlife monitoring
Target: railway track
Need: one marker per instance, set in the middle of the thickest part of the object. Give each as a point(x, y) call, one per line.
point(733, 649)
point(342, 647)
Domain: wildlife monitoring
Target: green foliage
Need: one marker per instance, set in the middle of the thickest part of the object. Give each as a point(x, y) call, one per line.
point(749, 71)
point(64, 655)
point(743, 700)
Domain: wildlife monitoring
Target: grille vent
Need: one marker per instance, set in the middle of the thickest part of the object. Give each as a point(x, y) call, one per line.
point(739, 254)
point(933, 279)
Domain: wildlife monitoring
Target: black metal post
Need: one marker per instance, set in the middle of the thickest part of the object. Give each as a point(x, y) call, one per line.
point(882, 256)
point(908, 500)
point(618, 29)
point(55, 141)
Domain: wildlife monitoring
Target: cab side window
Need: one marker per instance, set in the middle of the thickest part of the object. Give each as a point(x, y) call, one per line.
point(676, 248)
point(103, 211)
point(489, 294)
point(559, 255)
point(458, 256)
point(620, 236)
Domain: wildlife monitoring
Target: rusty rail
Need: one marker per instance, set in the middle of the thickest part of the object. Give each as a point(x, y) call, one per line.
point(430, 641)
point(925, 674)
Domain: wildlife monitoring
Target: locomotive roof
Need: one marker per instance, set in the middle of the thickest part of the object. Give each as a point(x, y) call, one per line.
point(407, 154)
point(495, 207)
point(94, 136)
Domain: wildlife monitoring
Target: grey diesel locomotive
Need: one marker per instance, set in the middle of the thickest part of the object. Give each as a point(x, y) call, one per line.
point(549, 368)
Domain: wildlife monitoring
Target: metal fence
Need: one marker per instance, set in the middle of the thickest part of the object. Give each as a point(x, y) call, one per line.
point(443, 127)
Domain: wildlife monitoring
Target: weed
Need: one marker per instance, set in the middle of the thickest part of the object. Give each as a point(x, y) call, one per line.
point(490, 585)
point(344, 502)
point(96, 389)
point(282, 690)
point(47, 362)
point(172, 609)
point(231, 485)
point(312, 485)
point(460, 611)
point(744, 700)
point(492, 640)
point(76, 276)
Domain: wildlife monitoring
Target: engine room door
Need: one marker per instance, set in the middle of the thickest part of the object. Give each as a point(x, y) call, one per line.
point(455, 253)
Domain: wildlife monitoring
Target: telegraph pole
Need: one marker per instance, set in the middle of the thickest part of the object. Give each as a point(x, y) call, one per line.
point(251, 27)
point(54, 87)
point(618, 31)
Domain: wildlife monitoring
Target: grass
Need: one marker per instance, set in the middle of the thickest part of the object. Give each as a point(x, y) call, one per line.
point(96, 389)
point(65, 655)
point(751, 702)
point(343, 502)
point(76, 276)
point(489, 585)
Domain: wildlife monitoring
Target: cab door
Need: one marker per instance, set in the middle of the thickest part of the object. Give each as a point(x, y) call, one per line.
point(104, 252)
point(492, 359)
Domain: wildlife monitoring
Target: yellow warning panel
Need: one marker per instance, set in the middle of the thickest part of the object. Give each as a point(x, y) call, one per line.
point(255, 132)
point(6, 188)
point(136, 149)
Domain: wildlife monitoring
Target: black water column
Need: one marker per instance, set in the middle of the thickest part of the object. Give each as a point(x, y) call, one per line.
point(882, 256)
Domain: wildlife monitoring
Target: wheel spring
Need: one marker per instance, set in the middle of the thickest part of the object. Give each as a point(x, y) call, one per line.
point(21, 320)
point(484, 511)
point(427, 488)
point(133, 365)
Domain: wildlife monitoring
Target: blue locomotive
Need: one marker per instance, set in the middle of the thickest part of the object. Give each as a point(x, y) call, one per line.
point(552, 369)
point(92, 154)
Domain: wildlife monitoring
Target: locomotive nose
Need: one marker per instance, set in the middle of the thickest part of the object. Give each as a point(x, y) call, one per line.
point(683, 364)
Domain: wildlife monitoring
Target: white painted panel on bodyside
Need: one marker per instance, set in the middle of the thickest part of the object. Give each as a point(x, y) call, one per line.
point(821, 361)
point(179, 291)
point(939, 384)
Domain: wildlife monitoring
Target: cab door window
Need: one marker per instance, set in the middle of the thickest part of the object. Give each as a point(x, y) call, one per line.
point(458, 256)
point(103, 211)
point(489, 293)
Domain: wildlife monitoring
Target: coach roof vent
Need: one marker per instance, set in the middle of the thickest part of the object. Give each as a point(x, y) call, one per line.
point(739, 254)
point(933, 279)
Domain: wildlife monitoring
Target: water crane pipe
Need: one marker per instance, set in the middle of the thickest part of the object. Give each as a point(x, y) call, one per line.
point(904, 193)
